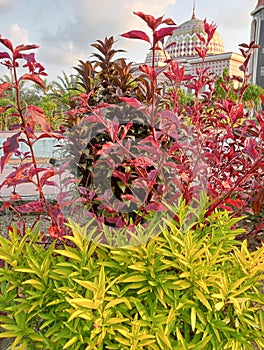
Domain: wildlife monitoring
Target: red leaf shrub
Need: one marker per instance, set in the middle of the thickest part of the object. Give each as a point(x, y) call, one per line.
point(28, 170)
point(225, 135)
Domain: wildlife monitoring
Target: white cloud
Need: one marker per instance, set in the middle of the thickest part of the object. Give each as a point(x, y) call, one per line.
point(89, 22)
point(17, 34)
point(5, 4)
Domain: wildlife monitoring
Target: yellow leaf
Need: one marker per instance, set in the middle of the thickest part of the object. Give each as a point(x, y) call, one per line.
point(135, 278)
point(37, 284)
point(88, 285)
point(202, 299)
point(145, 336)
point(181, 339)
point(90, 304)
point(182, 284)
point(20, 269)
point(68, 254)
point(70, 342)
point(193, 318)
point(116, 320)
point(118, 301)
point(218, 306)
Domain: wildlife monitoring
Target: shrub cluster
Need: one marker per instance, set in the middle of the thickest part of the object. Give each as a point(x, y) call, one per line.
point(191, 287)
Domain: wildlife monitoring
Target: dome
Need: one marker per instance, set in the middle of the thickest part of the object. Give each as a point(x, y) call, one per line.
point(160, 57)
point(184, 39)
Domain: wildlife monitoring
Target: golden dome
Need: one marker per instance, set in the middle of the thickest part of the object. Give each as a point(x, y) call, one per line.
point(184, 39)
point(160, 57)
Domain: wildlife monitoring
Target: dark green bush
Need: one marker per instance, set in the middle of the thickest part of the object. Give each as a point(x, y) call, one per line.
point(192, 287)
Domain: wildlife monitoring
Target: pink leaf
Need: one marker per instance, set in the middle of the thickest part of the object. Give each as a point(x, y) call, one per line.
point(26, 47)
point(250, 146)
point(37, 115)
point(48, 174)
point(4, 87)
point(9, 147)
point(4, 55)
point(131, 101)
point(33, 77)
point(149, 71)
point(30, 207)
point(160, 34)
point(15, 197)
point(7, 43)
point(149, 19)
point(157, 207)
point(136, 34)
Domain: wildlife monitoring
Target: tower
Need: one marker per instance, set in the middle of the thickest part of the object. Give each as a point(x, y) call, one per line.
point(257, 34)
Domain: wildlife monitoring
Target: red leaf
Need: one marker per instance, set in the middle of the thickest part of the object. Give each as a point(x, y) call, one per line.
point(4, 55)
point(54, 232)
point(37, 115)
point(149, 19)
point(15, 197)
point(30, 207)
point(4, 87)
point(160, 34)
point(258, 201)
point(157, 207)
point(26, 47)
point(48, 174)
point(131, 101)
point(7, 43)
point(201, 38)
point(33, 77)
point(234, 202)
point(151, 73)
point(20, 175)
point(136, 34)
point(237, 112)
point(9, 147)
point(169, 22)
point(250, 147)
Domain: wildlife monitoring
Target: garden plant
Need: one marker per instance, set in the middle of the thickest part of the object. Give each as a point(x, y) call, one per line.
point(179, 179)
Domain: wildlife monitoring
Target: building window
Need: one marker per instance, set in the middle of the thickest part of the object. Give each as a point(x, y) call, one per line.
point(262, 71)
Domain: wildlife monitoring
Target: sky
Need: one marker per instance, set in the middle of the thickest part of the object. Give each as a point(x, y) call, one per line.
point(65, 29)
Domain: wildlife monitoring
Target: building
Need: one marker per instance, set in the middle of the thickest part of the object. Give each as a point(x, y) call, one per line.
point(181, 48)
point(257, 35)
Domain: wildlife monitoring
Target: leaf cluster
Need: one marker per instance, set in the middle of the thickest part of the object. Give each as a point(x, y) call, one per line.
point(191, 287)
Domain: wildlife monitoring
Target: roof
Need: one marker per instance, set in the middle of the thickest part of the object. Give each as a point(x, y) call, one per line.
point(183, 41)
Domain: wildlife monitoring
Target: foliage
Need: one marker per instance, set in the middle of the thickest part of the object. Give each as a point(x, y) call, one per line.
point(226, 137)
point(229, 138)
point(191, 287)
point(30, 118)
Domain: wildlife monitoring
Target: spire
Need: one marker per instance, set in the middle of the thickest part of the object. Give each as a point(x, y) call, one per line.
point(193, 14)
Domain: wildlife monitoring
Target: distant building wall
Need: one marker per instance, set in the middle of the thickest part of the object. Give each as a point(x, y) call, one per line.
point(257, 35)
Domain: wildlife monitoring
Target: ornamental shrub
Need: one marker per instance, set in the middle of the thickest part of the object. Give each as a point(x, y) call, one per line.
point(227, 136)
point(191, 287)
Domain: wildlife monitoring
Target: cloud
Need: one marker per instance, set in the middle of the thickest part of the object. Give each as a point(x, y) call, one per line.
point(6, 5)
point(18, 35)
point(95, 20)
